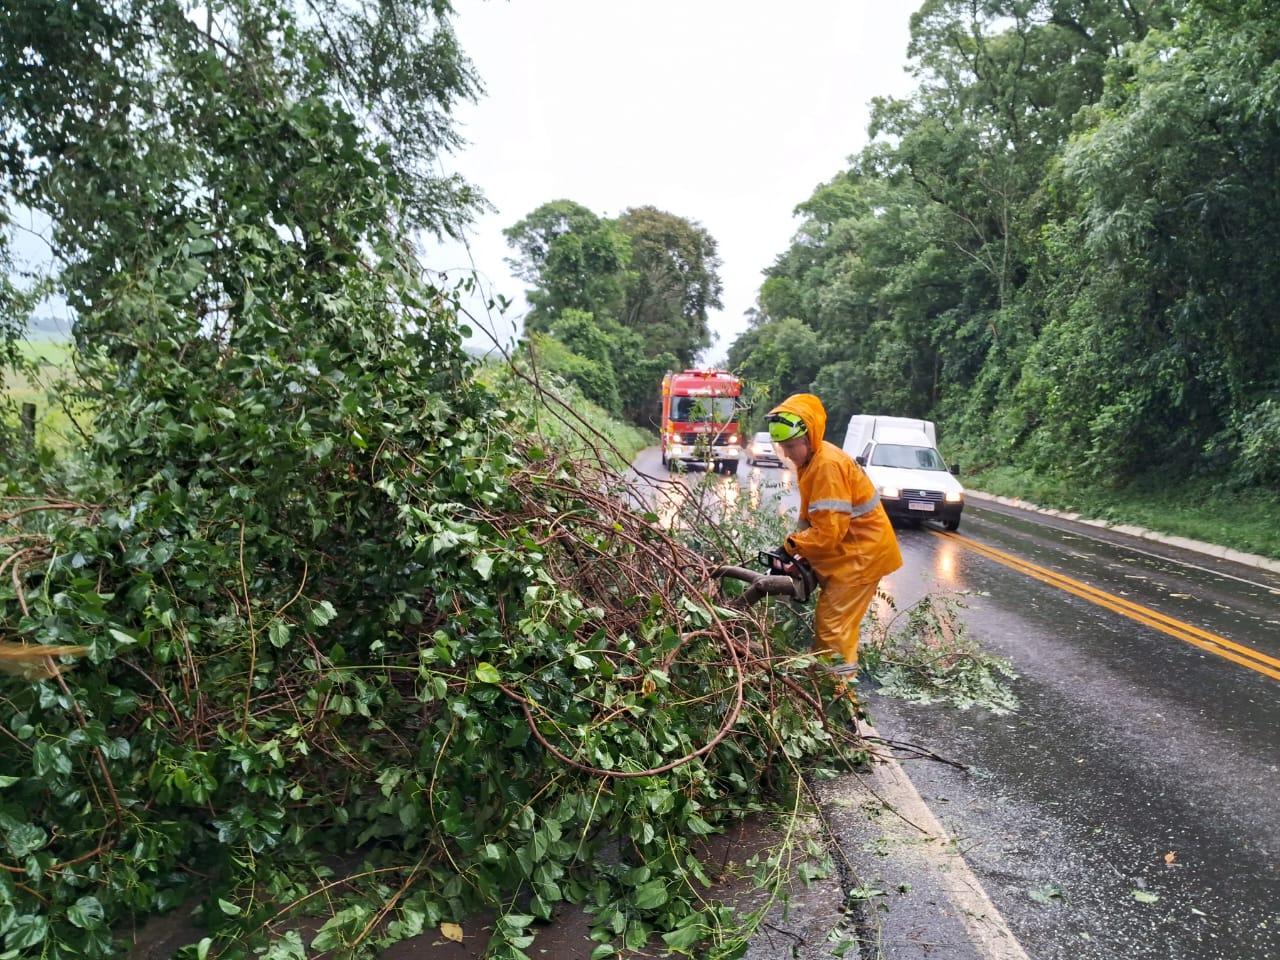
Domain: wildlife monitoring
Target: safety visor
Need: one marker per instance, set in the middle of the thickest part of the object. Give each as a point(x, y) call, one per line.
point(785, 426)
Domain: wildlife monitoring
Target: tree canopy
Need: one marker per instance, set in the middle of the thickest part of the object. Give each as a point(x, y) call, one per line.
point(1057, 245)
point(633, 292)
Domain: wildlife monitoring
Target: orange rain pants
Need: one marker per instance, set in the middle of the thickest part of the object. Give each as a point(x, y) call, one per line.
point(838, 620)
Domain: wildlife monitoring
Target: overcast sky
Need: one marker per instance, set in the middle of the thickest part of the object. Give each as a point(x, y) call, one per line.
point(727, 112)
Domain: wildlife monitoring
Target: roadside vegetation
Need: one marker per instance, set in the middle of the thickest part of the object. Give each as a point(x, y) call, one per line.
point(1061, 248)
point(561, 414)
point(1203, 508)
point(316, 637)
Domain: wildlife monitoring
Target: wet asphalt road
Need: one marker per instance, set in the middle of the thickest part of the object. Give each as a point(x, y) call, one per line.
point(1139, 765)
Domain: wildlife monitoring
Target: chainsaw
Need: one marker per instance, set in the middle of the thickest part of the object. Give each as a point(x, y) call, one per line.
point(783, 576)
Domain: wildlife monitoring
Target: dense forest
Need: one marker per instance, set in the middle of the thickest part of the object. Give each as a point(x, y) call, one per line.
point(1062, 246)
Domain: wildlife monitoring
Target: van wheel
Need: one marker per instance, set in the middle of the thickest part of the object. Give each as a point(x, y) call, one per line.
point(951, 524)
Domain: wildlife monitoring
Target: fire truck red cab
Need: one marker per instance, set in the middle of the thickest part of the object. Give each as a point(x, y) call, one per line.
point(700, 419)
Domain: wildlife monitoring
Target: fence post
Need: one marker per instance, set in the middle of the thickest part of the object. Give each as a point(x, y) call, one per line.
point(28, 416)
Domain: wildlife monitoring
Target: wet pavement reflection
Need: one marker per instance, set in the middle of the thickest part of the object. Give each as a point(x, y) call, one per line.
point(1127, 808)
point(668, 492)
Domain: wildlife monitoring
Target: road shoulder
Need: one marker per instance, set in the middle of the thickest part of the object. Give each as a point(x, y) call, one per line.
point(902, 889)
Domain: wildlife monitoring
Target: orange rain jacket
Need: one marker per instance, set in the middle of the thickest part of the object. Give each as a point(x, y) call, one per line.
point(849, 539)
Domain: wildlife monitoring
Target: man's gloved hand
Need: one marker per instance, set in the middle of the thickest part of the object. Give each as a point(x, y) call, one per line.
point(790, 568)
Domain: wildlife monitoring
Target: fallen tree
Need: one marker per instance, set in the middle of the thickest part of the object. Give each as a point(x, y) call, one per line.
point(322, 594)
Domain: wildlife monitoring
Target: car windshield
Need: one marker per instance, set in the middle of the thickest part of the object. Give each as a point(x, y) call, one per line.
point(702, 409)
point(910, 458)
point(763, 438)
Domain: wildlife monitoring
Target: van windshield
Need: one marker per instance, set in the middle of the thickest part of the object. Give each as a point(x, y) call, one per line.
point(909, 458)
point(702, 409)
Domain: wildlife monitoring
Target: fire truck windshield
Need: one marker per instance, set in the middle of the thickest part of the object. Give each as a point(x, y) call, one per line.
point(702, 409)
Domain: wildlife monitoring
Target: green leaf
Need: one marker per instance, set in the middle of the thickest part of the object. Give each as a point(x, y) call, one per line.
point(604, 950)
point(229, 908)
point(8, 781)
point(49, 758)
point(682, 938)
point(322, 613)
point(26, 931)
point(483, 565)
point(86, 913)
point(1145, 896)
point(121, 637)
point(696, 825)
point(650, 895)
point(278, 633)
point(25, 839)
point(488, 673)
point(1049, 893)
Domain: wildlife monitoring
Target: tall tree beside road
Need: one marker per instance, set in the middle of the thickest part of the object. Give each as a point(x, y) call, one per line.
point(1167, 248)
point(572, 260)
point(673, 280)
point(635, 290)
point(781, 355)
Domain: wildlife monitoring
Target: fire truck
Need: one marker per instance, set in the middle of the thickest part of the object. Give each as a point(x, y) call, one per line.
point(700, 419)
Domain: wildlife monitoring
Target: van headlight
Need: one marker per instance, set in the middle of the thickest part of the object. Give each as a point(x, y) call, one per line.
point(891, 492)
point(955, 496)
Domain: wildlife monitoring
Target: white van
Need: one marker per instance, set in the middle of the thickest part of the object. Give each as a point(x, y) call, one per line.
point(901, 457)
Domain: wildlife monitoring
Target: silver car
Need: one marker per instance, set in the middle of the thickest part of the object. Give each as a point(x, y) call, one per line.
point(760, 452)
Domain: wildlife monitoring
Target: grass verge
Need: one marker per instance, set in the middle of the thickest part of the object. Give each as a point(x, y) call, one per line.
point(562, 415)
point(1199, 508)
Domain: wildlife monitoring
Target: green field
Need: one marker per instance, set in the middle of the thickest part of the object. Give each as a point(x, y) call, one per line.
point(52, 359)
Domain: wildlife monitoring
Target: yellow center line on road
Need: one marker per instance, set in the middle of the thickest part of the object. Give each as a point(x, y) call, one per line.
point(1245, 656)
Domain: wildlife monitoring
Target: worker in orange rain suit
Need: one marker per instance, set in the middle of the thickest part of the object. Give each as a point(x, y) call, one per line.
point(844, 534)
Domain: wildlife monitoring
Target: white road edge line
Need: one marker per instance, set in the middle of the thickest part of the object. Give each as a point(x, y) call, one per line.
point(1195, 546)
point(990, 933)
